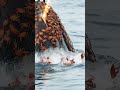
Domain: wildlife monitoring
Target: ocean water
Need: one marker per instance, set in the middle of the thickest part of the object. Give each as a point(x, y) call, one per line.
point(62, 77)
point(104, 22)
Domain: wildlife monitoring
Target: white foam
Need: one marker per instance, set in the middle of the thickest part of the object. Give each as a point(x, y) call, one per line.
point(57, 54)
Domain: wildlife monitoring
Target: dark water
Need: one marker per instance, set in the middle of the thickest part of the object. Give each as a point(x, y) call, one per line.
point(103, 23)
point(60, 77)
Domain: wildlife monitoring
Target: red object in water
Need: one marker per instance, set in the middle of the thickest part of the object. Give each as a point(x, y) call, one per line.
point(113, 71)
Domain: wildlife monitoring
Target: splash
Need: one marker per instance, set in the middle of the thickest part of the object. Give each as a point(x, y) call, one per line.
point(56, 54)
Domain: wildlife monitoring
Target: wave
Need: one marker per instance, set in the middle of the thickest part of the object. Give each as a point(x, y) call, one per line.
point(56, 54)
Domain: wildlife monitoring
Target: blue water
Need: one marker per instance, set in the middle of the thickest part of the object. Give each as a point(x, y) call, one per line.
point(72, 14)
point(59, 77)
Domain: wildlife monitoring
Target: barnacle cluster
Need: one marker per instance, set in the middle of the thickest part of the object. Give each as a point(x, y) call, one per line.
point(17, 32)
point(49, 33)
point(3, 3)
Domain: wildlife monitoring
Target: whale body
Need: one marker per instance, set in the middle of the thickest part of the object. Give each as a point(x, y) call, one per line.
point(18, 33)
point(50, 34)
point(24, 32)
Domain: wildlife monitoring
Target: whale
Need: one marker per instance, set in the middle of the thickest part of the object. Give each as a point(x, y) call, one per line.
point(50, 33)
point(25, 31)
point(17, 31)
point(20, 37)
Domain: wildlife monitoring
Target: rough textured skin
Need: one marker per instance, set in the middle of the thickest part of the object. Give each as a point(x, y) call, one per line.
point(17, 33)
point(50, 33)
point(24, 25)
point(3, 3)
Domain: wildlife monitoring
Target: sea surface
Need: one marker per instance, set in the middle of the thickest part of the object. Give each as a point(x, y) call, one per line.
point(62, 77)
point(104, 22)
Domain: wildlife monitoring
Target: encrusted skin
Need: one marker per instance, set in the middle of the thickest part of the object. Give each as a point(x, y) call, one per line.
point(24, 29)
point(3, 3)
point(50, 33)
point(17, 32)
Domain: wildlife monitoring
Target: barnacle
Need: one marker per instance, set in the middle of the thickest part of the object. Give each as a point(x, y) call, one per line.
point(13, 29)
point(16, 29)
point(50, 31)
point(22, 35)
point(3, 3)
point(20, 10)
point(24, 22)
point(14, 17)
point(20, 52)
